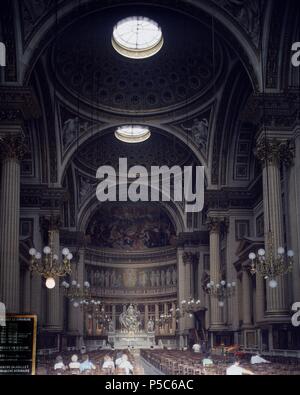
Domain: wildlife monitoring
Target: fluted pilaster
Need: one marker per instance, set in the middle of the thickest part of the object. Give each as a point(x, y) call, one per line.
point(246, 299)
point(181, 292)
point(12, 149)
point(216, 316)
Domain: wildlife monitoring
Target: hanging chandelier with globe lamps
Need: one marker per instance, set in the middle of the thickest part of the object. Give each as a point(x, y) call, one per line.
point(271, 265)
point(48, 264)
point(221, 290)
point(77, 294)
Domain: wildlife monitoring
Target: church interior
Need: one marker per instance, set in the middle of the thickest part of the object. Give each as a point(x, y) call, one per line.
point(186, 83)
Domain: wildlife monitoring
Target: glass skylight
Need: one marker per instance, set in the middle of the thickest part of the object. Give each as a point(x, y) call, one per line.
point(132, 133)
point(137, 37)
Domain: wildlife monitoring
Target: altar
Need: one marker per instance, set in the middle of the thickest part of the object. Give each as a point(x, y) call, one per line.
point(131, 335)
point(122, 340)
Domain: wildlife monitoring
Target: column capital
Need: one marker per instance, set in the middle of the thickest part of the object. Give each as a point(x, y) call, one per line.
point(12, 147)
point(217, 224)
point(49, 223)
point(273, 152)
point(189, 257)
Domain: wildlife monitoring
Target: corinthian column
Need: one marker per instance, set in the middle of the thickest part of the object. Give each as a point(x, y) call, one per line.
point(270, 154)
point(294, 214)
point(12, 149)
point(214, 225)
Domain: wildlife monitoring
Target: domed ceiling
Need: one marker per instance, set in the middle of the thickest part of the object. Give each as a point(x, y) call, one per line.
point(158, 150)
point(88, 67)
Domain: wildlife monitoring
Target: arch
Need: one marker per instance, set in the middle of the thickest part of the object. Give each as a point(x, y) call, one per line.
point(104, 129)
point(92, 205)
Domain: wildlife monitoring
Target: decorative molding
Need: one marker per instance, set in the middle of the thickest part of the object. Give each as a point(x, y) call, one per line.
point(273, 110)
point(17, 104)
point(246, 14)
point(42, 197)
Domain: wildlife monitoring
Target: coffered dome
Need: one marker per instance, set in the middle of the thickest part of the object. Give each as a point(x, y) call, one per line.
point(182, 71)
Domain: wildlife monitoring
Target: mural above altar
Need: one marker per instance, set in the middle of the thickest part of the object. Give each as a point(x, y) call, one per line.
point(132, 227)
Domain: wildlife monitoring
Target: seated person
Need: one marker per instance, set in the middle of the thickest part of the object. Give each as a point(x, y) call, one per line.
point(108, 364)
point(255, 359)
point(126, 365)
point(196, 348)
point(74, 364)
point(207, 361)
point(59, 365)
point(86, 365)
point(237, 370)
point(118, 359)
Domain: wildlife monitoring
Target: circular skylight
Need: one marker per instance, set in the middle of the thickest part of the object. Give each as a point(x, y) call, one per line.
point(137, 37)
point(132, 133)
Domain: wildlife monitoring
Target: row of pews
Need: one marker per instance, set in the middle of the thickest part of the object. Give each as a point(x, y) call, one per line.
point(175, 362)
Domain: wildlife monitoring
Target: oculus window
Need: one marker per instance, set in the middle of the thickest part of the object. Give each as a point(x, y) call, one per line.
point(137, 37)
point(132, 133)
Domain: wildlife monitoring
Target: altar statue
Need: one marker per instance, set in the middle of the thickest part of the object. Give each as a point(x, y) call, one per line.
point(150, 326)
point(130, 319)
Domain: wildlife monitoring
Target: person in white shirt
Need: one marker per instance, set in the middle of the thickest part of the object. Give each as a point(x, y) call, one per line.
point(108, 364)
point(59, 365)
point(74, 364)
point(255, 359)
point(196, 348)
point(207, 361)
point(237, 370)
point(126, 365)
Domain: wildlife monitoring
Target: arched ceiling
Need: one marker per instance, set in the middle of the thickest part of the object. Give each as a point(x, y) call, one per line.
point(184, 70)
point(158, 150)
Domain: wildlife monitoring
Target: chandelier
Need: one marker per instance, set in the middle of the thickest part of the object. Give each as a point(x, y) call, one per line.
point(79, 296)
point(189, 307)
point(269, 265)
point(221, 291)
point(48, 264)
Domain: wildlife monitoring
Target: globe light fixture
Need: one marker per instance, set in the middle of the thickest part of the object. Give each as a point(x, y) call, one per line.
point(48, 264)
point(132, 133)
point(189, 307)
point(269, 264)
point(79, 296)
point(50, 283)
point(221, 291)
point(137, 37)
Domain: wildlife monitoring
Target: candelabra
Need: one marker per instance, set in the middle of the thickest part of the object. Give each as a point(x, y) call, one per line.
point(268, 264)
point(221, 291)
point(48, 264)
point(165, 318)
point(78, 296)
point(98, 312)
